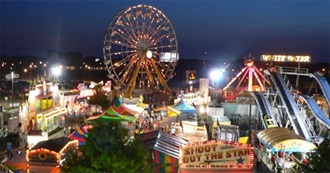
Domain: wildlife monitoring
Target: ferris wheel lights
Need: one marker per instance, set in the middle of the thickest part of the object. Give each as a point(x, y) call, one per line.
point(149, 54)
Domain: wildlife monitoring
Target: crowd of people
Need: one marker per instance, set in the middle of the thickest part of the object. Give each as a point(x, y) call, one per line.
point(282, 162)
point(148, 121)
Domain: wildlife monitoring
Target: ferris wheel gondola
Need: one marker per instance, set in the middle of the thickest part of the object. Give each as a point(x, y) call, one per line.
point(140, 49)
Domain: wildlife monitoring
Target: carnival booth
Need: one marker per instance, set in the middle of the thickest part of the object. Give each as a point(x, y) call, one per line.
point(169, 111)
point(216, 156)
point(187, 109)
point(278, 139)
point(80, 134)
point(165, 150)
point(111, 115)
point(49, 152)
point(284, 143)
point(120, 108)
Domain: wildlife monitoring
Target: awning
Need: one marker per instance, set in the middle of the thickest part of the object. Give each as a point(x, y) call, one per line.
point(142, 105)
point(111, 115)
point(171, 112)
point(283, 139)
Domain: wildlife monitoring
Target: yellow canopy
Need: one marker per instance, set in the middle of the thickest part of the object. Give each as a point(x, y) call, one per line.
point(171, 112)
point(283, 139)
point(142, 105)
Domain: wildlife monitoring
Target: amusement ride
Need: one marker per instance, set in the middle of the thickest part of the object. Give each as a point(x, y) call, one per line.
point(279, 103)
point(249, 72)
point(140, 49)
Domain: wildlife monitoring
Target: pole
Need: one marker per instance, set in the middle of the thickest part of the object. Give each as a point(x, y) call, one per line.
point(297, 80)
point(250, 110)
point(12, 89)
point(215, 84)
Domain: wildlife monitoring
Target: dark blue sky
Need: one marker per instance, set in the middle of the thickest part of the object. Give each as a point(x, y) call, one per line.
point(225, 29)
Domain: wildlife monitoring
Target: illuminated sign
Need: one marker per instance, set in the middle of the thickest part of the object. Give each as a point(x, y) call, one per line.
point(168, 56)
point(190, 76)
point(219, 154)
point(285, 58)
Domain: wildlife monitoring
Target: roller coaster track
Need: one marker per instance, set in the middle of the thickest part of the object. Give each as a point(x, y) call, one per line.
point(298, 122)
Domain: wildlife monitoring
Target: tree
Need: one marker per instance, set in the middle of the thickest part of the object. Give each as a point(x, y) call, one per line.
point(108, 149)
point(100, 97)
point(318, 160)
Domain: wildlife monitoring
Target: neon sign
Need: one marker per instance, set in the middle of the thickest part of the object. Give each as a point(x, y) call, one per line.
point(220, 154)
point(285, 58)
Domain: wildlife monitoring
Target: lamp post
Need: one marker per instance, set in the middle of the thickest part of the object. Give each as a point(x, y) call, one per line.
point(215, 76)
point(12, 89)
point(32, 66)
point(203, 110)
point(56, 71)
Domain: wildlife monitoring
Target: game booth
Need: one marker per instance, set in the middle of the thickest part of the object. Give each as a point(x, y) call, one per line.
point(164, 148)
point(278, 139)
point(173, 154)
point(216, 156)
point(51, 151)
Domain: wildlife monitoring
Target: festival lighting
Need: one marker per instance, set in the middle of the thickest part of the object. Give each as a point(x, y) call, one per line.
point(149, 54)
point(286, 58)
point(216, 75)
point(56, 71)
point(43, 153)
point(252, 70)
point(216, 154)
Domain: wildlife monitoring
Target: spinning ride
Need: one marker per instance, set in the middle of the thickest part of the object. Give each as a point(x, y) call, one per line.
point(140, 49)
point(252, 70)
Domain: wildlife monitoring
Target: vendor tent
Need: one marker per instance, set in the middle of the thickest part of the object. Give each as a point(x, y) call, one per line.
point(184, 107)
point(171, 112)
point(165, 149)
point(111, 115)
point(79, 134)
point(120, 108)
point(283, 139)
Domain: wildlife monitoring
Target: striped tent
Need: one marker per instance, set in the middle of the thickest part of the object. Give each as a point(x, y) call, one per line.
point(165, 149)
point(165, 163)
point(111, 115)
point(79, 134)
point(184, 107)
point(119, 107)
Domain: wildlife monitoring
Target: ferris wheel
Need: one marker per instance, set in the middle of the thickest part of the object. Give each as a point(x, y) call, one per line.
point(140, 49)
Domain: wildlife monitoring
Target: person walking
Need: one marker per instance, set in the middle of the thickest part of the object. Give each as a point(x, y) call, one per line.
point(273, 159)
point(280, 164)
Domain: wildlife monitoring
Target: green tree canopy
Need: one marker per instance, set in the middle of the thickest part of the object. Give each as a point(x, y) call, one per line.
point(319, 161)
point(108, 148)
point(100, 97)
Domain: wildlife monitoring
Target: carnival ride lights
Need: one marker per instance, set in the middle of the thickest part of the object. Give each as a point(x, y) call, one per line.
point(252, 70)
point(43, 153)
point(140, 49)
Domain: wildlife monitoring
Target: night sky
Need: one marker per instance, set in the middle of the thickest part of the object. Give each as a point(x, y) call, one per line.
point(206, 29)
